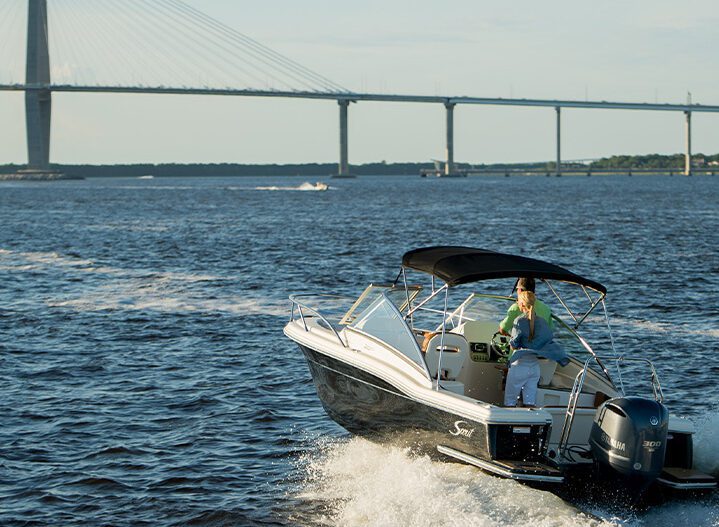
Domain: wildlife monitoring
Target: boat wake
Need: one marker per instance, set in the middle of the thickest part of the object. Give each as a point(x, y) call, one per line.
point(163, 301)
point(49, 261)
point(108, 288)
point(358, 482)
point(654, 327)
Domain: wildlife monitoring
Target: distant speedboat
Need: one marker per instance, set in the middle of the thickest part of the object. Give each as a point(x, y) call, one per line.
point(146, 176)
point(403, 362)
point(316, 186)
point(306, 186)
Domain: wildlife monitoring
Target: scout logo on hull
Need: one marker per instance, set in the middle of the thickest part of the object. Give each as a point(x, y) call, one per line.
point(459, 431)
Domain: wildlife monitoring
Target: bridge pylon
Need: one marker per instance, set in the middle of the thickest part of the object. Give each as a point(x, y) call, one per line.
point(38, 99)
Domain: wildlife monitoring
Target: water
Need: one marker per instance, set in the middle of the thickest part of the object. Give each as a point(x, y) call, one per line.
point(145, 379)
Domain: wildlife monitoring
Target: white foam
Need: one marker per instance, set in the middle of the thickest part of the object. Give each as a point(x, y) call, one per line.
point(629, 326)
point(714, 333)
point(37, 260)
point(153, 297)
point(374, 485)
point(632, 326)
point(190, 277)
point(138, 289)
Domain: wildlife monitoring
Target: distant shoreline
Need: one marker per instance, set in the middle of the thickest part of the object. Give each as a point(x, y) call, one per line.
point(227, 169)
point(637, 164)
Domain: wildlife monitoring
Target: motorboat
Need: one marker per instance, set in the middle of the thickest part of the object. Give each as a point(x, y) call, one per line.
point(421, 359)
point(318, 186)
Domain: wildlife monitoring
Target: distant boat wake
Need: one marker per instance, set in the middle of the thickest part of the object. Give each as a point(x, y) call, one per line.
point(306, 186)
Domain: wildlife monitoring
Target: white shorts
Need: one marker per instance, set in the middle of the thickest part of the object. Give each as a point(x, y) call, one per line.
point(524, 378)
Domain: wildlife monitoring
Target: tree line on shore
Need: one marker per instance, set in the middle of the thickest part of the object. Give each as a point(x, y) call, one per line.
point(657, 161)
point(651, 161)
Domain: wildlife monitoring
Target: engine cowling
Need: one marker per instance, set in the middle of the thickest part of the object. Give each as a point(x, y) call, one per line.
point(629, 436)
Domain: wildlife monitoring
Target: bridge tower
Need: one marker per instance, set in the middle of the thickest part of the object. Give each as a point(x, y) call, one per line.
point(37, 95)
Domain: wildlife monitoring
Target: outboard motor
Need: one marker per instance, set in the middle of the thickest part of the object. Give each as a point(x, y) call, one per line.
point(629, 436)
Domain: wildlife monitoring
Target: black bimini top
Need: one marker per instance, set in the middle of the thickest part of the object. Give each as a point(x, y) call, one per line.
point(461, 265)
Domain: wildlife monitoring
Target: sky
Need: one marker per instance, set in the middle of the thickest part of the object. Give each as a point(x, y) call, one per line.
point(640, 51)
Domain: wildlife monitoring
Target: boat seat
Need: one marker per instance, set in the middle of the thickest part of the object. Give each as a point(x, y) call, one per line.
point(451, 386)
point(477, 330)
point(454, 355)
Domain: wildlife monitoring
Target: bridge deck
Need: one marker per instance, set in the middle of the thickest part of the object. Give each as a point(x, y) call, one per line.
point(377, 97)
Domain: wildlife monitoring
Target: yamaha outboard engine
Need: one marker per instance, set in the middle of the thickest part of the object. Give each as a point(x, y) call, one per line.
point(629, 436)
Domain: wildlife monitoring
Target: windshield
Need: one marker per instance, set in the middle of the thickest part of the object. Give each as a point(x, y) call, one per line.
point(382, 320)
point(480, 307)
point(398, 296)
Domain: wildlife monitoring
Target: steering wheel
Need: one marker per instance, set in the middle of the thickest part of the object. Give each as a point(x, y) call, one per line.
point(500, 346)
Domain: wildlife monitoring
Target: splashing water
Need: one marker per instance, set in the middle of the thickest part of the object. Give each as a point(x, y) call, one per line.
point(364, 483)
point(357, 482)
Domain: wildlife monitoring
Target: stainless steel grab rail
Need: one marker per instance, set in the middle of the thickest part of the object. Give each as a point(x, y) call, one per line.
point(656, 385)
point(572, 408)
point(577, 390)
point(300, 306)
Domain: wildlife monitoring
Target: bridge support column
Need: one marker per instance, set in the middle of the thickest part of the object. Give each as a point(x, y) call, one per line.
point(449, 164)
point(688, 144)
point(343, 164)
point(38, 101)
point(559, 140)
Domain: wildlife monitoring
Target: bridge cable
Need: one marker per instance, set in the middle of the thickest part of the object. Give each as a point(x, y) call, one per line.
point(163, 52)
point(212, 58)
point(237, 36)
point(13, 20)
point(174, 13)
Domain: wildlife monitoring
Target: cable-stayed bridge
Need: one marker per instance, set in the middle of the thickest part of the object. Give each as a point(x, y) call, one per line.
point(169, 47)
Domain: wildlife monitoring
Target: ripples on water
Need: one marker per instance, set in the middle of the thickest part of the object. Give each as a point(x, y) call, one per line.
point(146, 380)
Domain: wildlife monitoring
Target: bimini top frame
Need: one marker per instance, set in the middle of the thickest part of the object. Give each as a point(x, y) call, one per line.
point(456, 265)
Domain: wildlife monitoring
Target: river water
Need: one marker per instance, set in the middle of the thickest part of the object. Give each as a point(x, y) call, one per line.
point(145, 378)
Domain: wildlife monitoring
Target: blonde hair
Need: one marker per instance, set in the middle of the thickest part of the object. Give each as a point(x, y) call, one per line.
point(526, 300)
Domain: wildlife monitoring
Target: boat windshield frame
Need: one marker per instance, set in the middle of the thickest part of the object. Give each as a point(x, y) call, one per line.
point(384, 298)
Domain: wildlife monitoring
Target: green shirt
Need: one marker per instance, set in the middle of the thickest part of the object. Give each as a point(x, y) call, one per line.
point(513, 312)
